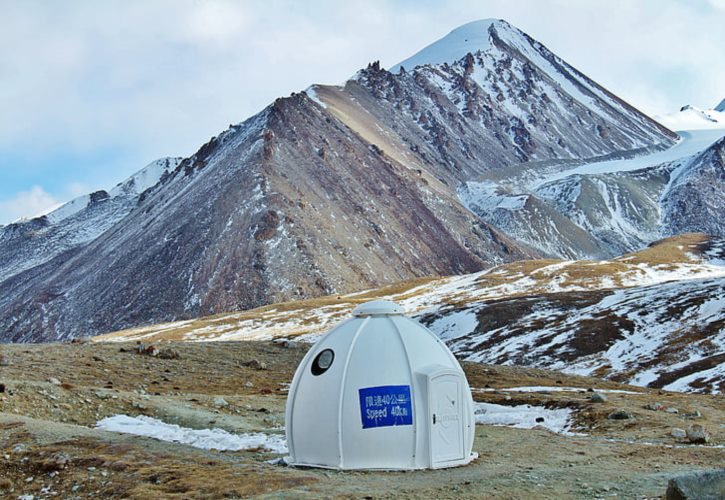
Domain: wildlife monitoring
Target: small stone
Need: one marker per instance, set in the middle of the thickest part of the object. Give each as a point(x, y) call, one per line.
point(4, 360)
point(286, 343)
point(672, 410)
point(102, 395)
point(220, 402)
point(169, 354)
point(678, 433)
point(539, 419)
point(56, 461)
point(694, 414)
point(54, 381)
point(598, 397)
point(256, 364)
point(30, 479)
point(620, 415)
point(654, 407)
point(248, 384)
point(697, 434)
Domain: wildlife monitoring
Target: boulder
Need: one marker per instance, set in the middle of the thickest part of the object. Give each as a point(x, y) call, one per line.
point(598, 397)
point(706, 485)
point(620, 415)
point(678, 433)
point(168, 353)
point(697, 434)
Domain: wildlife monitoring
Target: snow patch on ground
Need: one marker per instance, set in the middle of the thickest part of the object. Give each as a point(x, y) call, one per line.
point(455, 325)
point(546, 388)
point(206, 439)
point(525, 417)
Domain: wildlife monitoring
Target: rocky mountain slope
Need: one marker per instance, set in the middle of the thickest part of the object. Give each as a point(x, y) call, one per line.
point(653, 318)
point(27, 244)
point(605, 208)
point(329, 191)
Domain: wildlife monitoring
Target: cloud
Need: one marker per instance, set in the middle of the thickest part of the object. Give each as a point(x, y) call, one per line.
point(27, 204)
point(38, 201)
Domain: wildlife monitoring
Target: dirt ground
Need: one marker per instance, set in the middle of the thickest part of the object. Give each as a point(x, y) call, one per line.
point(49, 448)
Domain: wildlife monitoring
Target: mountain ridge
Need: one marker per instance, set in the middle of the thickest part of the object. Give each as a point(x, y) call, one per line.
point(341, 189)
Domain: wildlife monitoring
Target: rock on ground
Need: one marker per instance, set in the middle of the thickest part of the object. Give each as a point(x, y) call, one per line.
point(698, 486)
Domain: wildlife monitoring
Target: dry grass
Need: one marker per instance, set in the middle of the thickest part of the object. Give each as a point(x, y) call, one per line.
point(300, 317)
point(670, 250)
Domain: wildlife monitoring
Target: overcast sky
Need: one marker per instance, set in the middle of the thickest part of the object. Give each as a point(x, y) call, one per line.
point(91, 91)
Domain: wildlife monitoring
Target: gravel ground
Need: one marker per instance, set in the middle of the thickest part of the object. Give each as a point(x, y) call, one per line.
point(51, 396)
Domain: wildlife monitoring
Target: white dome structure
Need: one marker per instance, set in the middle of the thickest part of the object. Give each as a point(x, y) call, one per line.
point(380, 391)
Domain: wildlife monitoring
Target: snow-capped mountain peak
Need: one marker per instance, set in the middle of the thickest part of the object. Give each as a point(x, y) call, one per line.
point(721, 106)
point(468, 38)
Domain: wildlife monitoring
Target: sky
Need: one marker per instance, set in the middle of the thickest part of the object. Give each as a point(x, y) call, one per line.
point(91, 92)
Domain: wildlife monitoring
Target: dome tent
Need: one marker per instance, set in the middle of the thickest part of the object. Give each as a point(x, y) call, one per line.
point(379, 391)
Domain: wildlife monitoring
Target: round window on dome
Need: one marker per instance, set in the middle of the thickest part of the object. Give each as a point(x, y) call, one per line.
point(323, 361)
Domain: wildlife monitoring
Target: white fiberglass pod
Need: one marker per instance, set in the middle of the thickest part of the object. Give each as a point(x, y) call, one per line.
point(380, 391)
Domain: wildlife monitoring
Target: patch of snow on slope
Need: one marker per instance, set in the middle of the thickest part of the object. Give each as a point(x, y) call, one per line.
point(206, 439)
point(146, 177)
point(524, 417)
point(685, 384)
point(312, 94)
point(69, 209)
point(454, 325)
point(487, 196)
